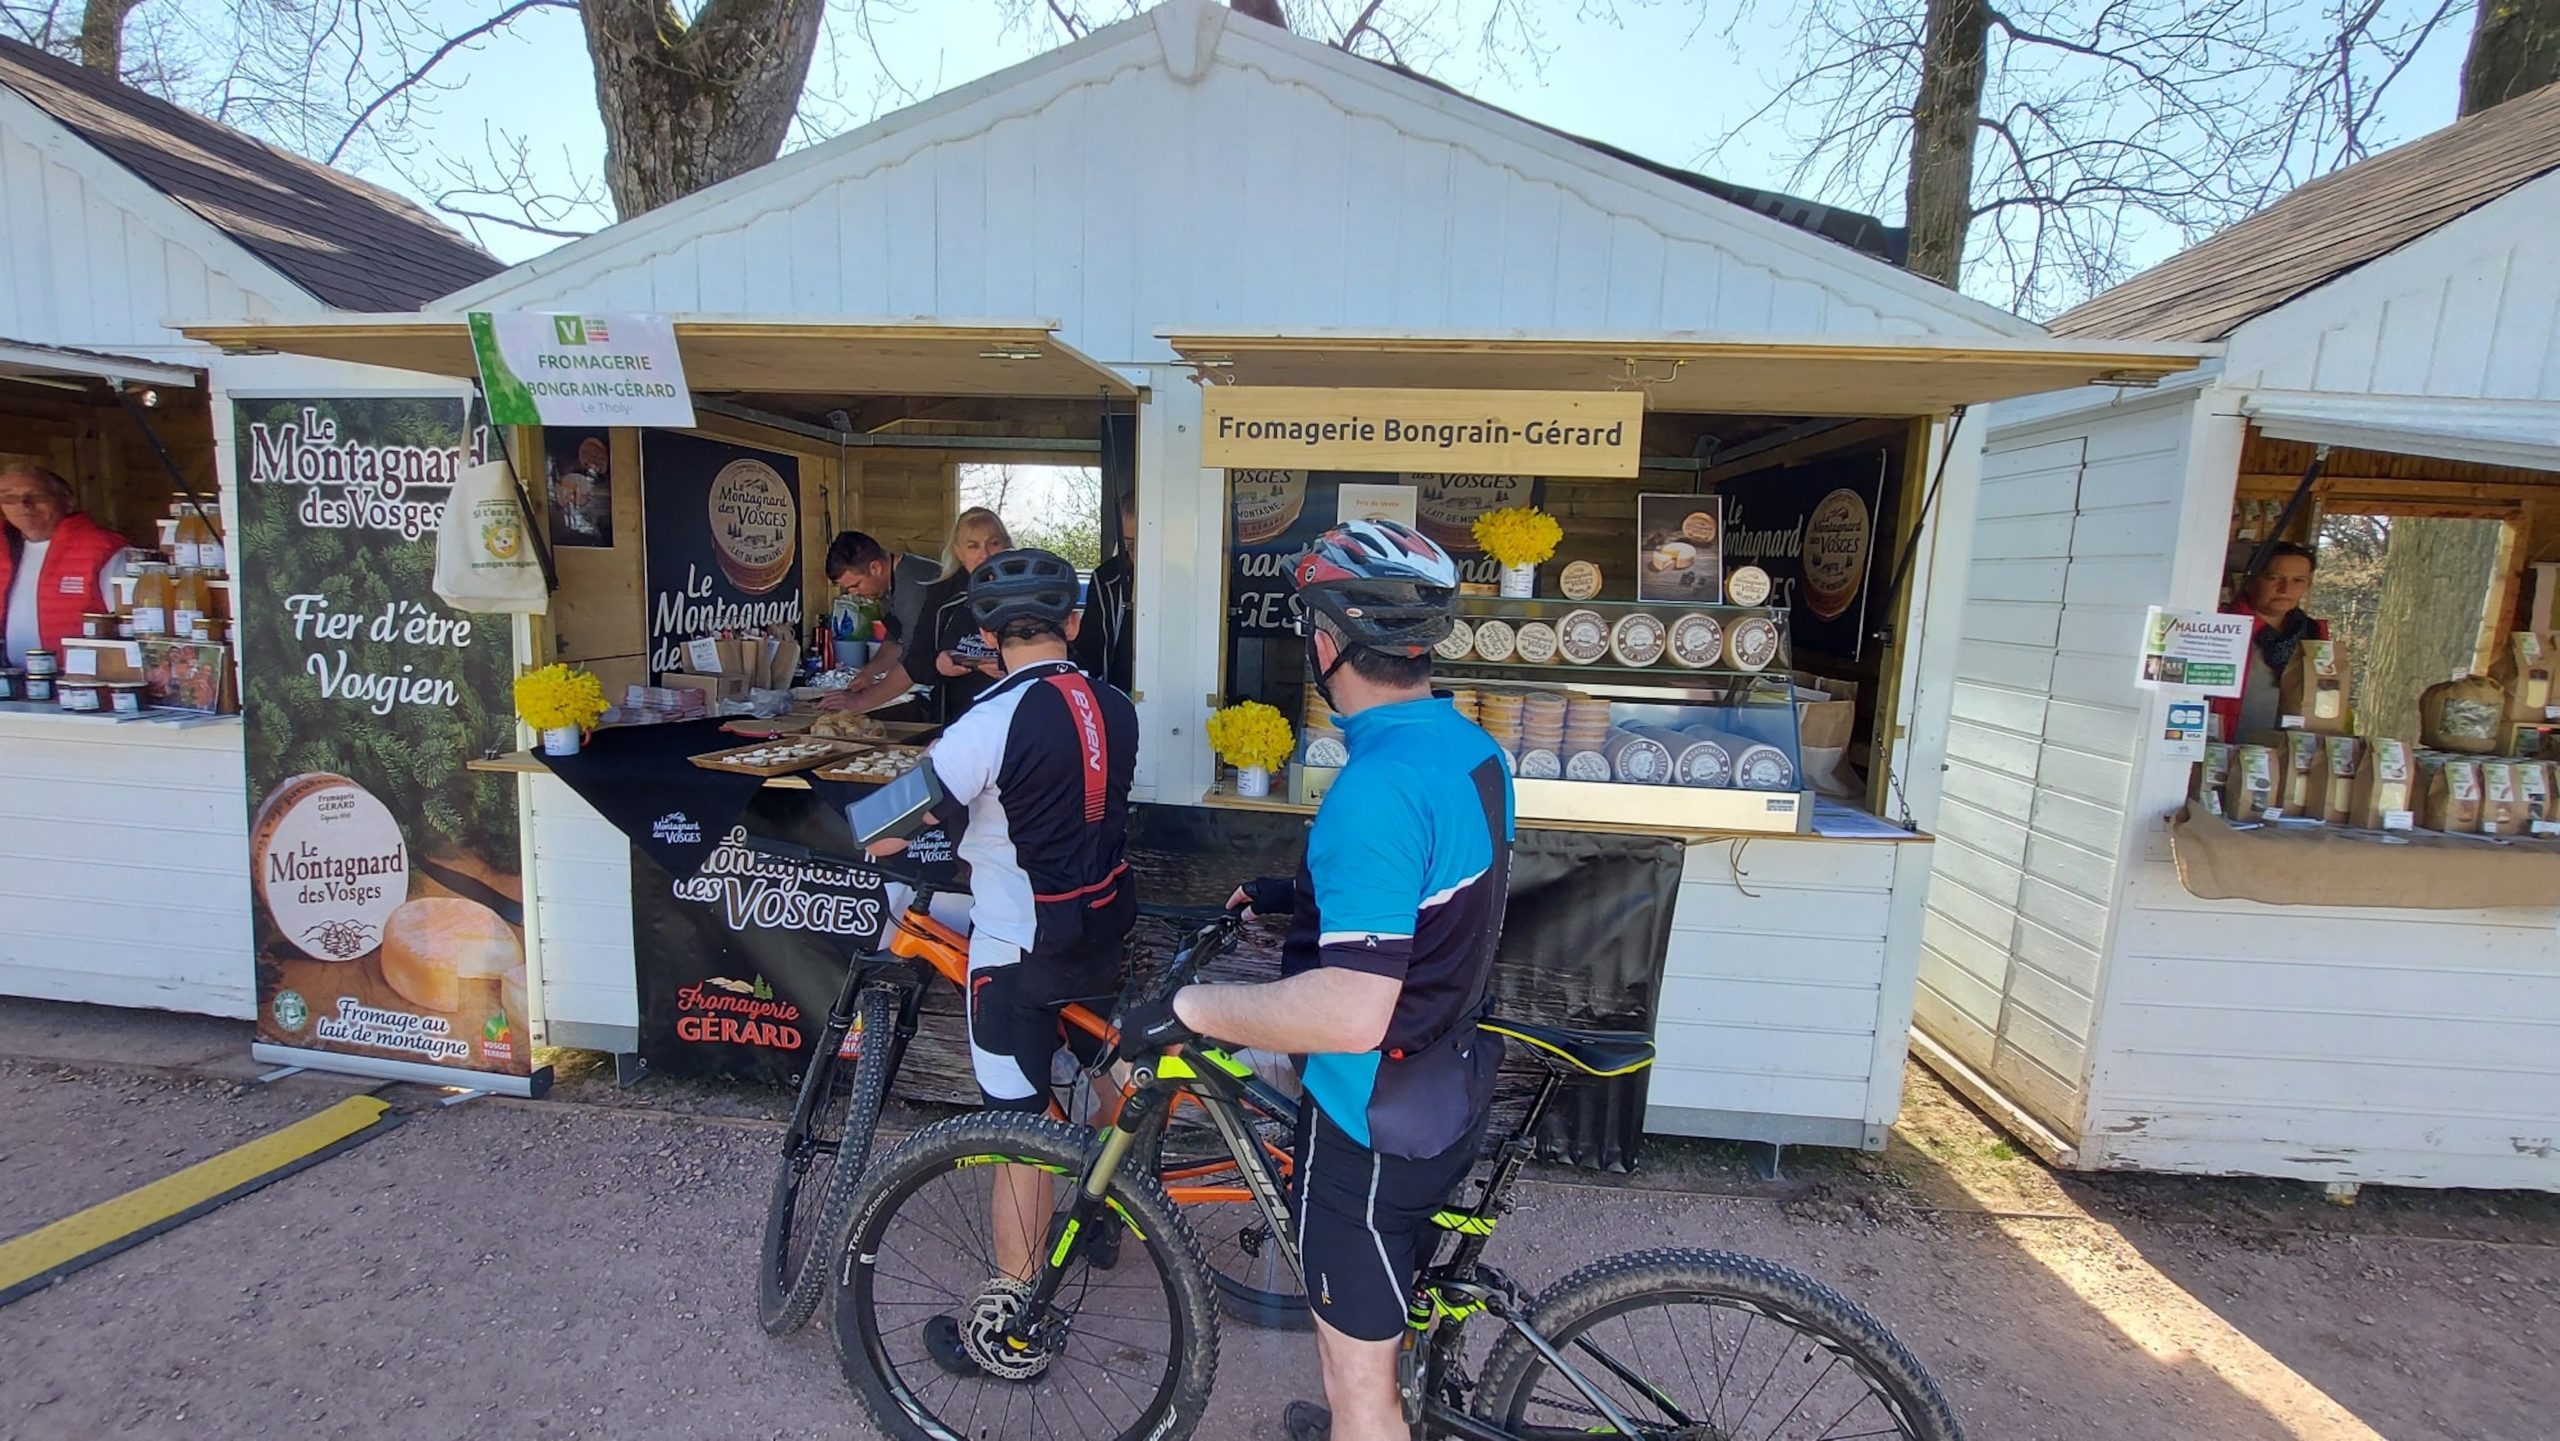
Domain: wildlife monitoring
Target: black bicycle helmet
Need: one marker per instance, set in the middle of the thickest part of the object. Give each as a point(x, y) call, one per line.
point(1022, 585)
point(1379, 585)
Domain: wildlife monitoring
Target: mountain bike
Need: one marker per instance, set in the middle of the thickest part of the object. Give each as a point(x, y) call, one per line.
point(1672, 1345)
point(857, 1056)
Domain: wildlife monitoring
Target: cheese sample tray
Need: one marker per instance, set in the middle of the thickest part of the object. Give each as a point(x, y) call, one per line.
point(778, 757)
point(874, 765)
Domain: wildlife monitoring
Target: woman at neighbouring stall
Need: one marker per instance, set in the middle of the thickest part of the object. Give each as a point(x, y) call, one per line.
point(56, 564)
point(2274, 596)
point(861, 566)
point(959, 667)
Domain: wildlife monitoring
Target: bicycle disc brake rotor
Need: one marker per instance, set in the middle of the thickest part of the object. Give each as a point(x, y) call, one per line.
point(983, 1333)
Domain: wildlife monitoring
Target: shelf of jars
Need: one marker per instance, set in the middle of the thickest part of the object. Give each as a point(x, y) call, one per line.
point(1654, 734)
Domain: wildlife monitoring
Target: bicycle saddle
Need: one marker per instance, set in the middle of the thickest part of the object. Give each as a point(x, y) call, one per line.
point(1593, 1053)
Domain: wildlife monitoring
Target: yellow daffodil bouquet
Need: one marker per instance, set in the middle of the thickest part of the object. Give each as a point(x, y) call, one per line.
point(1520, 535)
point(555, 697)
point(1250, 735)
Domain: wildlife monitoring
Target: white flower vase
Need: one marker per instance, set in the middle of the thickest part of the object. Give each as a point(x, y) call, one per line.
point(1253, 780)
point(1519, 582)
point(561, 741)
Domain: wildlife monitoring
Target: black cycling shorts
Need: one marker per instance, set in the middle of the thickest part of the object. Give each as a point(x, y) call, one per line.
point(1364, 1222)
point(1014, 1022)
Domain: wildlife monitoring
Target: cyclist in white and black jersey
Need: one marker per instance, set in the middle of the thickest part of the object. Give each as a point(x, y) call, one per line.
point(1043, 763)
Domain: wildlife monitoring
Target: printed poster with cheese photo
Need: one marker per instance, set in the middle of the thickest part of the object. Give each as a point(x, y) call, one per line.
point(722, 524)
point(1680, 549)
point(389, 909)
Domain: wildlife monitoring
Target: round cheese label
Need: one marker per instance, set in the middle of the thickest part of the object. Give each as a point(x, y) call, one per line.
point(754, 522)
point(1697, 640)
point(1700, 526)
point(1458, 644)
point(1752, 642)
point(1265, 503)
point(1327, 751)
point(1540, 765)
point(1637, 639)
point(1495, 640)
point(1746, 585)
point(331, 865)
point(1582, 636)
point(1580, 581)
point(1835, 553)
point(1536, 642)
point(1586, 766)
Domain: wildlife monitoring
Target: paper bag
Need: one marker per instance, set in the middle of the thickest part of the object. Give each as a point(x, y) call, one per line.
point(2525, 668)
point(2384, 797)
point(2251, 786)
point(2453, 797)
point(2311, 695)
point(2501, 801)
point(2333, 784)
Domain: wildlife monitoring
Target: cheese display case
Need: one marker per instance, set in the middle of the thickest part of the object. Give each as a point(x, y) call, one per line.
point(1593, 699)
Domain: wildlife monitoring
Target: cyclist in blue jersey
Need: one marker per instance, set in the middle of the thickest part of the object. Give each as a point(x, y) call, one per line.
point(1394, 917)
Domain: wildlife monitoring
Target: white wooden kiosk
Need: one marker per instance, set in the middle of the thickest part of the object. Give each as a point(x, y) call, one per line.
point(124, 872)
point(2067, 980)
point(1307, 214)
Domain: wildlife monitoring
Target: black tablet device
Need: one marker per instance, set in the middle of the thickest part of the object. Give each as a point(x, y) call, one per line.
point(897, 809)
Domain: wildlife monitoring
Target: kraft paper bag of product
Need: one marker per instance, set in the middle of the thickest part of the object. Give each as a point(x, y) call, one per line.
point(2526, 667)
point(2312, 693)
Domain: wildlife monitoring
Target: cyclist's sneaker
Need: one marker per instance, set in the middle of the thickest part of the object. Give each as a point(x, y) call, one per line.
point(975, 1346)
point(1306, 1421)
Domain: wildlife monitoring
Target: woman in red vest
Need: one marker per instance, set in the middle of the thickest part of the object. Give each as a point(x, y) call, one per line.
point(2274, 595)
point(56, 563)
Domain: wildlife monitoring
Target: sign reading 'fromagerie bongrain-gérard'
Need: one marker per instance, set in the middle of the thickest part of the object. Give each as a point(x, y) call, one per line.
point(1527, 432)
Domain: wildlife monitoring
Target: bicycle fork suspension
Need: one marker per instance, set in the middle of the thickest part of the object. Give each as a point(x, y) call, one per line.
point(1084, 1210)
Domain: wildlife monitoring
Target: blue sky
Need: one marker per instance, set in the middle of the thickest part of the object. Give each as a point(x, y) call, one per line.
point(1658, 81)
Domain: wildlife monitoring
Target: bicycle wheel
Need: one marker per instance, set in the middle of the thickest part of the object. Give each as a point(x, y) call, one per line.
point(1252, 1276)
point(1699, 1344)
point(813, 1192)
point(1138, 1346)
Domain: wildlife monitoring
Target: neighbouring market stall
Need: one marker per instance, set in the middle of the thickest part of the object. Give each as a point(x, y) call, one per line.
point(1767, 383)
point(123, 854)
point(2362, 989)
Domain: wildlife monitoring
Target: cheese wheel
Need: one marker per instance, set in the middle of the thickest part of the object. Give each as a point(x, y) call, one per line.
point(331, 865)
point(435, 944)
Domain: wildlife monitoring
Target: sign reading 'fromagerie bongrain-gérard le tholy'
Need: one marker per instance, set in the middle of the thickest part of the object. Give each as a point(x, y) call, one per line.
point(1523, 432)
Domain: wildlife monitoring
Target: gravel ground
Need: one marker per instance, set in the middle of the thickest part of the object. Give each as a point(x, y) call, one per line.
point(564, 1269)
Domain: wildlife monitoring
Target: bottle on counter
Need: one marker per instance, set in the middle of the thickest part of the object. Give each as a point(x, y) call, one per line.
point(191, 600)
point(154, 596)
point(198, 544)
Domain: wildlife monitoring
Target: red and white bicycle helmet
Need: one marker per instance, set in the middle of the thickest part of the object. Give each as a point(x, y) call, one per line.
point(1378, 584)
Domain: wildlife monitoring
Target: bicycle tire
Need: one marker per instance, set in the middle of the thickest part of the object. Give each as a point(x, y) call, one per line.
point(964, 1143)
point(1253, 1281)
point(788, 1286)
point(1620, 1285)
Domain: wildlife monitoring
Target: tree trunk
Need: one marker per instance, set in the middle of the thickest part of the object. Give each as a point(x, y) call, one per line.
point(1945, 117)
point(2435, 580)
point(1266, 11)
point(688, 106)
point(2515, 48)
point(102, 35)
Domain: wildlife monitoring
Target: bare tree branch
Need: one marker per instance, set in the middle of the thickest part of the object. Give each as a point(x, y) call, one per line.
point(435, 57)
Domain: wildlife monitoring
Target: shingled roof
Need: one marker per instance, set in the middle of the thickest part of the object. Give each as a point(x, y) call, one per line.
point(2329, 227)
point(352, 245)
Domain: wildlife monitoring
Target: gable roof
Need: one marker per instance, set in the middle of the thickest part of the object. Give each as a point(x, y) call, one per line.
point(351, 245)
point(1860, 232)
point(2330, 226)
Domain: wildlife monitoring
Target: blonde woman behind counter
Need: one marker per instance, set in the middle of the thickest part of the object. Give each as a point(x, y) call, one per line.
point(922, 660)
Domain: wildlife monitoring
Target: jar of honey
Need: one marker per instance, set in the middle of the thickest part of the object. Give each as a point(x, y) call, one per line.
point(191, 600)
point(155, 594)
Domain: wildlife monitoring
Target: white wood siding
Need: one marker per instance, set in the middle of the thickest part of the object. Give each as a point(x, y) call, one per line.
point(92, 257)
point(582, 947)
point(2329, 1044)
point(1286, 185)
point(124, 864)
point(2469, 311)
point(1773, 993)
point(2074, 535)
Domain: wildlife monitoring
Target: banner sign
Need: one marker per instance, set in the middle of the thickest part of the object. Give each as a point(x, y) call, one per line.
point(2197, 649)
point(739, 962)
point(1812, 527)
point(1539, 432)
point(389, 916)
point(1450, 504)
point(722, 528)
point(540, 368)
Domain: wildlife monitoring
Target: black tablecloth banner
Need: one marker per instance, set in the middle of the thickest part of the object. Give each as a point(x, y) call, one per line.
point(1583, 943)
point(739, 963)
point(640, 778)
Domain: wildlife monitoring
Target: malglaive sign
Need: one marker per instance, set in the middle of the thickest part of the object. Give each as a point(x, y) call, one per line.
point(1529, 432)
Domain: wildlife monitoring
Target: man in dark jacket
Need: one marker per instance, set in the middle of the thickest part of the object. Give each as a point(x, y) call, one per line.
point(1106, 647)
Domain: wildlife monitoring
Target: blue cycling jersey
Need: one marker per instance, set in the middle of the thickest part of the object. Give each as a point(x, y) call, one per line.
point(1406, 874)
